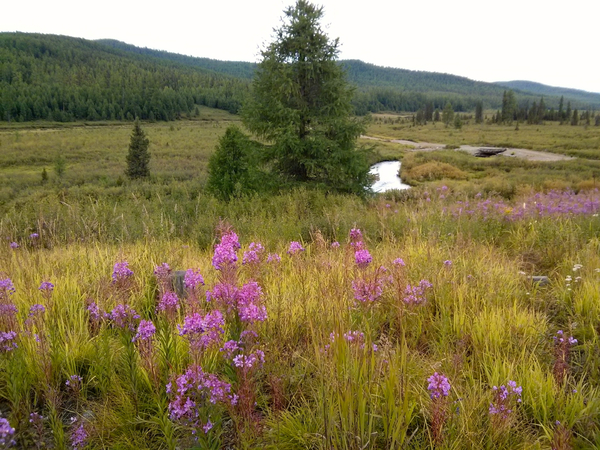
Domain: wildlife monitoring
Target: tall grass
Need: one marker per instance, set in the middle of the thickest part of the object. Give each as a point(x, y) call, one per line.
point(340, 370)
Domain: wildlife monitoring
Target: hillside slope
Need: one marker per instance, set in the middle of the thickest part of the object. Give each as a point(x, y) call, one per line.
point(60, 78)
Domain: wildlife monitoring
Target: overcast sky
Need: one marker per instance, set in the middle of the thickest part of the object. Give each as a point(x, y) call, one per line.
point(550, 42)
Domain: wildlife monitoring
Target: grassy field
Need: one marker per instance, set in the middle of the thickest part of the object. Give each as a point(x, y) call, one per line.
point(408, 320)
point(569, 140)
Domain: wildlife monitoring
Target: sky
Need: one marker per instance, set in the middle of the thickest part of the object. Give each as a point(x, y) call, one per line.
point(549, 42)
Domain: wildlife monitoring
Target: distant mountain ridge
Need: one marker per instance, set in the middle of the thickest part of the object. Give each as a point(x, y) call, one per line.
point(368, 77)
point(61, 78)
point(542, 89)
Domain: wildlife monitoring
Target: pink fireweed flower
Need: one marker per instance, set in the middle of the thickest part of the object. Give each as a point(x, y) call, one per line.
point(254, 254)
point(121, 272)
point(252, 313)
point(145, 331)
point(46, 286)
point(355, 235)
point(169, 303)
point(6, 434)
point(162, 271)
point(36, 310)
point(223, 256)
point(225, 252)
point(229, 348)
point(335, 245)
point(202, 332)
point(8, 341)
point(362, 257)
point(505, 399)
point(193, 279)
point(124, 317)
point(223, 294)
point(295, 247)
point(74, 382)
point(415, 295)
point(368, 291)
point(94, 311)
point(439, 386)
point(79, 436)
point(196, 389)
point(7, 288)
point(230, 239)
point(246, 362)
point(273, 258)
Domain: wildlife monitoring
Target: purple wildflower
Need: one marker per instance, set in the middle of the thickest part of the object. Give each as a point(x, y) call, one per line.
point(14, 245)
point(35, 418)
point(254, 254)
point(223, 293)
point(505, 399)
point(225, 251)
point(34, 236)
point(367, 291)
point(439, 386)
point(207, 426)
point(6, 433)
point(78, 436)
point(399, 262)
point(273, 257)
point(169, 302)
point(74, 382)
point(193, 279)
point(121, 271)
point(229, 348)
point(124, 317)
point(94, 311)
point(145, 331)
point(6, 288)
point(295, 247)
point(335, 245)
point(36, 310)
point(202, 332)
point(355, 235)
point(8, 341)
point(362, 258)
point(415, 295)
point(447, 262)
point(246, 362)
point(251, 313)
point(46, 286)
point(162, 271)
point(194, 389)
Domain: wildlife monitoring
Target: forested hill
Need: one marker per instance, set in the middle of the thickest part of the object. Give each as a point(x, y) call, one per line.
point(62, 78)
point(542, 89)
point(391, 89)
point(238, 69)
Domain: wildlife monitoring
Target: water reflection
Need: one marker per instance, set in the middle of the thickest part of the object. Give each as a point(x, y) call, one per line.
point(387, 171)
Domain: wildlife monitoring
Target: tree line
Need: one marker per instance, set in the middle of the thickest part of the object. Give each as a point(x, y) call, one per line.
point(59, 78)
point(64, 79)
point(537, 112)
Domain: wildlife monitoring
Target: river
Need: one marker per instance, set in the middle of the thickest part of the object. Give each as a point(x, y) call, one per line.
point(387, 171)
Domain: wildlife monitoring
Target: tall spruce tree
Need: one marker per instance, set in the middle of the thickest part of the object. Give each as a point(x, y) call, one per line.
point(479, 112)
point(301, 105)
point(138, 157)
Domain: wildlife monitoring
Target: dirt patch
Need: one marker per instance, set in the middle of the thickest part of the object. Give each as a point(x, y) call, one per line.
point(531, 155)
point(523, 153)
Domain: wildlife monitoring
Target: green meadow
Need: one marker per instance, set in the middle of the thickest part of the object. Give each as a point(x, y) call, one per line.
point(324, 328)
